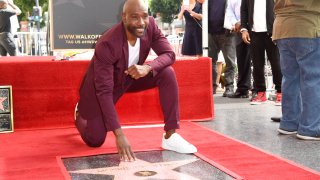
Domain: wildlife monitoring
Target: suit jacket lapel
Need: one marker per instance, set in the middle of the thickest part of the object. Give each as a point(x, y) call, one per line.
point(125, 47)
point(143, 43)
point(126, 54)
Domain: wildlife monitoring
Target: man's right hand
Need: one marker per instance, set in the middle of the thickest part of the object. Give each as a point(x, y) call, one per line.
point(124, 148)
point(246, 37)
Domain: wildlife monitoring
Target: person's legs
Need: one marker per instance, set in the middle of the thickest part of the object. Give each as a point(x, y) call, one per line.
point(90, 124)
point(308, 56)
point(229, 54)
point(3, 51)
point(7, 43)
point(198, 41)
point(188, 43)
point(219, 71)
point(166, 81)
point(257, 50)
point(93, 131)
point(291, 99)
point(214, 50)
point(273, 56)
point(89, 121)
point(244, 67)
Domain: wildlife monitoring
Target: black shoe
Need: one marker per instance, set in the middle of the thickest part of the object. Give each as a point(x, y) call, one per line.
point(276, 119)
point(214, 91)
point(228, 92)
point(239, 95)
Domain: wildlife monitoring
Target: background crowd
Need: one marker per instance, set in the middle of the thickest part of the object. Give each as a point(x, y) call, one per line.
point(245, 36)
point(283, 33)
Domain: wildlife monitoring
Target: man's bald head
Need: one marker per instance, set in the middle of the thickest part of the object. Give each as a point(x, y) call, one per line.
point(134, 4)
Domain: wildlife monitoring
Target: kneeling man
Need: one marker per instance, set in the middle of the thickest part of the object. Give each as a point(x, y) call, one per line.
point(118, 67)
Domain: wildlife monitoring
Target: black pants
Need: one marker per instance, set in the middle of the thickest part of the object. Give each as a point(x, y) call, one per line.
point(261, 42)
point(244, 65)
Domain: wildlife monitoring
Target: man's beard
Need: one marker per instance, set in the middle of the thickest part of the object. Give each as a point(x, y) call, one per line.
point(137, 31)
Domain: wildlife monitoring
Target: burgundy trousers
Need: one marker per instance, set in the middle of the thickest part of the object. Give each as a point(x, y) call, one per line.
point(94, 131)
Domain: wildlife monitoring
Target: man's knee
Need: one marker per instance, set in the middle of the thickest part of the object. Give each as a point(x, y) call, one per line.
point(95, 141)
point(167, 79)
point(168, 72)
point(94, 137)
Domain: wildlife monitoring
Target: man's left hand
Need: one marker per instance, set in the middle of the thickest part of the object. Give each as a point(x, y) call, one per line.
point(138, 71)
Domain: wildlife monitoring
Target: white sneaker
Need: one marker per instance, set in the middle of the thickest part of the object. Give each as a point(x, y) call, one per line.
point(282, 131)
point(178, 144)
point(308, 137)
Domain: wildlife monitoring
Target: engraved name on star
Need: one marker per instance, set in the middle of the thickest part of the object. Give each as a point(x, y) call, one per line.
point(1, 103)
point(130, 170)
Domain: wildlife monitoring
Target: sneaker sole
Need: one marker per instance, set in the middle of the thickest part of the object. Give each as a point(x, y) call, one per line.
point(238, 97)
point(281, 131)
point(257, 103)
point(308, 137)
point(167, 147)
point(277, 104)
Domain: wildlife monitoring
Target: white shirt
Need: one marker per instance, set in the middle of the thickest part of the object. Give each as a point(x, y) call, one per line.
point(260, 16)
point(232, 15)
point(134, 52)
point(14, 22)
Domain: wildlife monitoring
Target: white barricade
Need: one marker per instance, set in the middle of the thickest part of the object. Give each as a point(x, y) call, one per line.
point(31, 43)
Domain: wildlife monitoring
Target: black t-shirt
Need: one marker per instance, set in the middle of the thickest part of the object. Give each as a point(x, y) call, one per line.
point(5, 25)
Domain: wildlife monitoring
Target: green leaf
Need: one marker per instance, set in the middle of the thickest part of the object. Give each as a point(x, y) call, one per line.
point(167, 8)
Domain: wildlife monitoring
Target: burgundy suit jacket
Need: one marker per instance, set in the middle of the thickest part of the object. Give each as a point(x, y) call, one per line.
point(105, 79)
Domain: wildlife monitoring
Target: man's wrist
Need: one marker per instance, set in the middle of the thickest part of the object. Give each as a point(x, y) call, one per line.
point(148, 67)
point(243, 29)
point(118, 132)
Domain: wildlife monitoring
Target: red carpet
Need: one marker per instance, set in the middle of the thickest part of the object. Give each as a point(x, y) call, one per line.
point(33, 154)
point(45, 92)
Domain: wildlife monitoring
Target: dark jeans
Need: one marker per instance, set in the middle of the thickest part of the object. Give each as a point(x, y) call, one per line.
point(7, 44)
point(261, 42)
point(244, 65)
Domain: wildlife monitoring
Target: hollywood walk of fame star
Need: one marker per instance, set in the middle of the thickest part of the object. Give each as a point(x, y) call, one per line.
point(140, 169)
point(76, 2)
point(1, 103)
